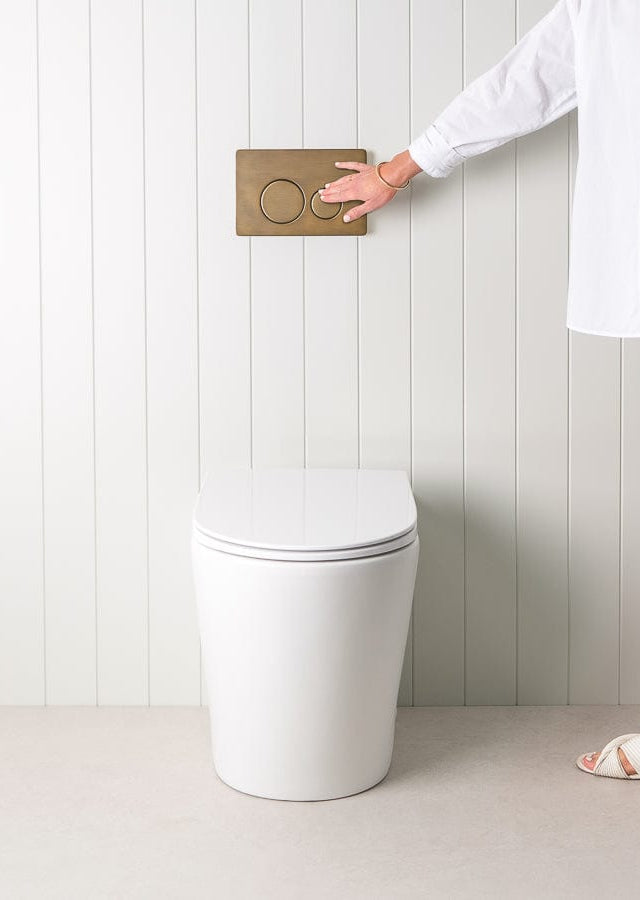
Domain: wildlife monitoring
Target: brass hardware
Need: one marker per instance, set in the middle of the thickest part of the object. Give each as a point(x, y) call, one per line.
point(324, 210)
point(282, 201)
point(277, 192)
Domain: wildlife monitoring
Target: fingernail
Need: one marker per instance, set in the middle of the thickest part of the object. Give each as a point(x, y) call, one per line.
point(346, 219)
point(327, 185)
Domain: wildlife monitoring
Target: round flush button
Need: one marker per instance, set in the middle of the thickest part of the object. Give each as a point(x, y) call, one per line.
point(324, 210)
point(282, 201)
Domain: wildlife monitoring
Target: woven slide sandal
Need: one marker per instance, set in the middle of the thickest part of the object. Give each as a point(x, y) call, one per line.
point(609, 763)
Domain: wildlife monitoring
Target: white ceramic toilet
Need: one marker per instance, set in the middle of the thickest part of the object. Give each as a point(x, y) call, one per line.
point(304, 582)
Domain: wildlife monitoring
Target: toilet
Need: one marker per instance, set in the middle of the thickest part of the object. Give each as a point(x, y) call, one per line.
point(304, 582)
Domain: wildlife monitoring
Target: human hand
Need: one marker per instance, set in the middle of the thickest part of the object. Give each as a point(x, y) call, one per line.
point(366, 186)
point(363, 185)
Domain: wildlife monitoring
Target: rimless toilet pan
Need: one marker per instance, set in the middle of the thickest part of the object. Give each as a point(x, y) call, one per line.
point(304, 581)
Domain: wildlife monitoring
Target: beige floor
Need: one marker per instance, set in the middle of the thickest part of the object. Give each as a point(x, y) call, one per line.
point(479, 802)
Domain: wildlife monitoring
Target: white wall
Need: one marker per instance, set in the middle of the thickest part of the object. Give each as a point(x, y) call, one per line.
point(142, 341)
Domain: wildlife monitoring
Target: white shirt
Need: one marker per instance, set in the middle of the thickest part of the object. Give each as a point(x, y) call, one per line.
point(583, 53)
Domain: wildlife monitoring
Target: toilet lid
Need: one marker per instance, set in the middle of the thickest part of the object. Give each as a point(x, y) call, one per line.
point(331, 513)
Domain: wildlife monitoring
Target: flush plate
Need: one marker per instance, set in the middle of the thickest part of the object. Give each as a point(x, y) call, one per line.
point(277, 192)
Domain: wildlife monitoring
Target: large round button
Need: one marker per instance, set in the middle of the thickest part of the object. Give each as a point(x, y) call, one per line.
point(282, 201)
point(324, 210)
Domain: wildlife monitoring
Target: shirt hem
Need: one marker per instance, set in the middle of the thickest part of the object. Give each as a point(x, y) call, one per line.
point(600, 333)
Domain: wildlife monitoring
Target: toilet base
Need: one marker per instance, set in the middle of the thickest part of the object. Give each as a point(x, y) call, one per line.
point(303, 662)
point(306, 798)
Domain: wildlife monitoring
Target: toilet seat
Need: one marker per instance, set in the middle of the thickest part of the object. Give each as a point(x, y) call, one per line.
point(305, 514)
point(367, 550)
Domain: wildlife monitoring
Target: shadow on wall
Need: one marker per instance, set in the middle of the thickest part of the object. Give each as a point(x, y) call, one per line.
point(501, 638)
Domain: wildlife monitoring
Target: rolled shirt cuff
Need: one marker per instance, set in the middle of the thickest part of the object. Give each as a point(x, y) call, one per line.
point(433, 154)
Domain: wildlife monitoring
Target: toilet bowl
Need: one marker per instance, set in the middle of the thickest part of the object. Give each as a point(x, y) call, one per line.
point(304, 581)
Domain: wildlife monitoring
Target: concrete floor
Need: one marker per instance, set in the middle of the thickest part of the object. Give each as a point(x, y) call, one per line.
point(480, 802)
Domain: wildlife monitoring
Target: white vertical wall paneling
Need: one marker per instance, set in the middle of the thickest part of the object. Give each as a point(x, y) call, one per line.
point(330, 263)
point(630, 584)
point(595, 519)
point(223, 256)
point(275, 42)
point(385, 289)
point(67, 352)
point(437, 414)
point(121, 126)
point(490, 387)
point(172, 346)
point(119, 316)
point(21, 556)
point(594, 507)
point(542, 380)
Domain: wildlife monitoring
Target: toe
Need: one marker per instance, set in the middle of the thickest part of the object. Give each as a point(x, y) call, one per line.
point(589, 761)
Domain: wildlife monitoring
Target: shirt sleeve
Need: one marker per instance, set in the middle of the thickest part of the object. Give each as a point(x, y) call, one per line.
point(532, 86)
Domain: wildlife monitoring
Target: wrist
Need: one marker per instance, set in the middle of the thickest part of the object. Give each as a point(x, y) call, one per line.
point(399, 168)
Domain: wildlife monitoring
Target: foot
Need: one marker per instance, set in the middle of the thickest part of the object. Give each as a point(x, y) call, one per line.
point(591, 759)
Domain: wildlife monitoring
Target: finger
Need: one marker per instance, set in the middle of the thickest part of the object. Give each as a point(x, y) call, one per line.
point(340, 192)
point(344, 180)
point(357, 166)
point(357, 211)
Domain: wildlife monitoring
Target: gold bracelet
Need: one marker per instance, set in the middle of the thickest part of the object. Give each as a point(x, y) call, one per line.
point(396, 187)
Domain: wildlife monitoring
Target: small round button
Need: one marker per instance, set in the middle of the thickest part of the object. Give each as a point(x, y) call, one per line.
point(282, 201)
point(324, 210)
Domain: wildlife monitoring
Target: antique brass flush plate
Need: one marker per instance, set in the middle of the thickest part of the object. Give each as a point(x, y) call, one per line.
point(277, 192)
